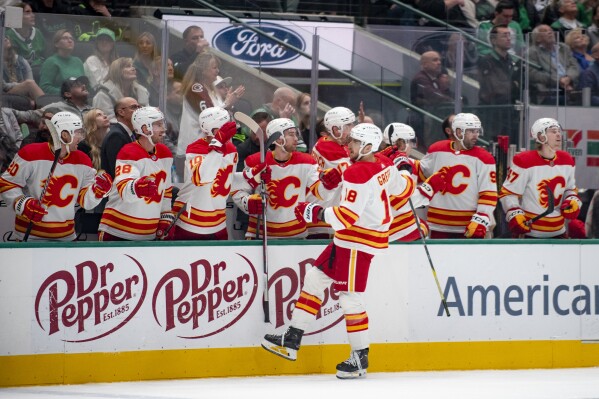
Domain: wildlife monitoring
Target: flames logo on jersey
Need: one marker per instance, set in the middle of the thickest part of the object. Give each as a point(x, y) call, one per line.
point(159, 177)
point(54, 192)
point(220, 186)
point(276, 192)
point(450, 173)
point(553, 184)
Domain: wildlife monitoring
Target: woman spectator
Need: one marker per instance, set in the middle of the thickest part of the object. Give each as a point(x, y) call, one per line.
point(96, 65)
point(95, 125)
point(199, 94)
point(154, 87)
point(579, 43)
point(120, 82)
point(28, 41)
point(144, 58)
point(17, 76)
point(61, 65)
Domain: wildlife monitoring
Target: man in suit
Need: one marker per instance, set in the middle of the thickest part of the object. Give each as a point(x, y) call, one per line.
point(119, 134)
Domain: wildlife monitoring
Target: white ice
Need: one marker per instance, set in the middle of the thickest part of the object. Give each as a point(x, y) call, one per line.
point(580, 383)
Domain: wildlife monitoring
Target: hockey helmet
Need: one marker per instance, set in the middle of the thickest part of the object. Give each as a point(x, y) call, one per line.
point(367, 133)
point(146, 116)
point(395, 131)
point(213, 118)
point(66, 121)
point(539, 129)
point(338, 117)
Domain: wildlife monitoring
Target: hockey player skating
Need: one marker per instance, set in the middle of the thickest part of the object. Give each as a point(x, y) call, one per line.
point(139, 207)
point(332, 155)
point(290, 177)
point(524, 192)
point(209, 166)
point(361, 222)
point(465, 207)
point(74, 180)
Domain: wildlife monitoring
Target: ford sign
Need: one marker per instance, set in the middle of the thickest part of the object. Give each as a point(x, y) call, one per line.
point(254, 49)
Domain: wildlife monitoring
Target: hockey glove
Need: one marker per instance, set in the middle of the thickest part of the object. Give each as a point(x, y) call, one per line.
point(30, 208)
point(222, 136)
point(389, 151)
point(256, 174)
point(330, 178)
point(255, 206)
point(102, 185)
point(145, 187)
point(477, 228)
point(570, 207)
point(308, 212)
point(402, 162)
point(166, 220)
point(517, 221)
point(434, 184)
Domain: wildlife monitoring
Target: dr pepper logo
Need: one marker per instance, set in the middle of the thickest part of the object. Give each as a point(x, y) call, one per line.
point(91, 300)
point(205, 297)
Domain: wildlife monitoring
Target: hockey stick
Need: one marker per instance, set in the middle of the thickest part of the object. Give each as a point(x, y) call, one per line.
point(429, 258)
point(254, 127)
point(550, 207)
point(170, 226)
point(56, 147)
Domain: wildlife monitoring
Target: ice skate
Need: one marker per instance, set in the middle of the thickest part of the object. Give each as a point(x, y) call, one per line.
point(285, 345)
point(355, 366)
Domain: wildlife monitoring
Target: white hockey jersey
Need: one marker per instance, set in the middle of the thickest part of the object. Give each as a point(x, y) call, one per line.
point(471, 187)
point(126, 215)
point(70, 184)
point(526, 184)
point(208, 179)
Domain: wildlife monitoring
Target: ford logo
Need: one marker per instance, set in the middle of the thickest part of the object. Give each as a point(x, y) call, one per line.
point(254, 49)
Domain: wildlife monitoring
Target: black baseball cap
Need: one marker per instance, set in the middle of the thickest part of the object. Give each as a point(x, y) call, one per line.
point(71, 82)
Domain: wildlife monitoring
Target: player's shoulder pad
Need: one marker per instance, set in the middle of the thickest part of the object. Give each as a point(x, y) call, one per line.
point(564, 158)
point(78, 157)
point(485, 156)
point(298, 158)
point(200, 146)
point(254, 159)
point(36, 152)
point(162, 151)
point(132, 152)
point(440, 146)
point(230, 148)
point(361, 172)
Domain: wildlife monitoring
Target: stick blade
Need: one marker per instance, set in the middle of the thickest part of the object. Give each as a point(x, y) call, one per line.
point(54, 134)
point(247, 120)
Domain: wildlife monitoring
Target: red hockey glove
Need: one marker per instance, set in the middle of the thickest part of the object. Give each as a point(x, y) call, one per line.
point(477, 228)
point(30, 208)
point(330, 178)
point(517, 221)
point(256, 174)
point(435, 183)
point(307, 211)
point(389, 151)
point(222, 136)
point(570, 207)
point(402, 162)
point(255, 206)
point(166, 220)
point(145, 187)
point(102, 185)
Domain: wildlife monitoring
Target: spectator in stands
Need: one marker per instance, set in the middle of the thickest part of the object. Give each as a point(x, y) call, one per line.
point(49, 20)
point(11, 137)
point(156, 73)
point(17, 76)
point(449, 11)
point(96, 125)
point(28, 41)
point(568, 13)
point(199, 94)
point(119, 134)
point(94, 8)
point(526, 14)
point(593, 30)
point(174, 106)
point(194, 44)
point(61, 65)
point(590, 77)
point(96, 65)
point(227, 97)
point(500, 85)
point(144, 58)
point(302, 106)
point(579, 43)
point(557, 66)
point(504, 15)
point(120, 82)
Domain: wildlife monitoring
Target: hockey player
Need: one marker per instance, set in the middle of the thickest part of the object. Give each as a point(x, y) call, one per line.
point(332, 156)
point(465, 207)
point(290, 177)
point(139, 207)
point(361, 222)
point(74, 181)
point(524, 191)
point(209, 166)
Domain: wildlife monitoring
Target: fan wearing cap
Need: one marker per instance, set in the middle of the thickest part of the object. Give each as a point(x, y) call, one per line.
point(61, 65)
point(524, 192)
point(226, 96)
point(139, 207)
point(96, 65)
point(74, 181)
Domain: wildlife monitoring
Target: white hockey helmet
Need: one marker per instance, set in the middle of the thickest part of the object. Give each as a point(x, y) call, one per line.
point(465, 121)
point(280, 125)
point(539, 129)
point(213, 118)
point(367, 133)
point(146, 116)
point(395, 131)
point(66, 121)
point(338, 117)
